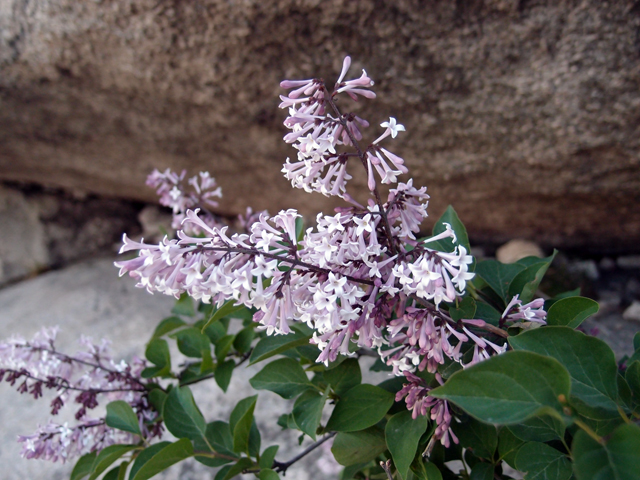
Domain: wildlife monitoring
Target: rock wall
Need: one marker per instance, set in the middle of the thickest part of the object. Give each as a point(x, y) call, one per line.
point(523, 114)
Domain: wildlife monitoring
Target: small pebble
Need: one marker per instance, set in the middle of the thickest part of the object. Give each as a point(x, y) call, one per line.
point(629, 261)
point(632, 312)
point(607, 264)
point(586, 267)
point(514, 250)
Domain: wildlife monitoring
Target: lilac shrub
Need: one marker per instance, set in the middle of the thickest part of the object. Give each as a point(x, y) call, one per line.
point(482, 367)
point(350, 275)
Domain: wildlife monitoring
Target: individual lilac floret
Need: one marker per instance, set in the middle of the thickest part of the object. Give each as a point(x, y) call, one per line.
point(530, 312)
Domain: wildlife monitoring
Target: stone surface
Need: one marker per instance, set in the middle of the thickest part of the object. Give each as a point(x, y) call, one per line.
point(524, 114)
point(89, 298)
point(23, 245)
point(514, 250)
point(41, 229)
point(632, 312)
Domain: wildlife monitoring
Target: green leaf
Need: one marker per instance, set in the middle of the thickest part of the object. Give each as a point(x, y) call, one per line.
point(526, 282)
point(184, 306)
point(508, 446)
point(508, 388)
point(218, 435)
point(192, 342)
point(157, 397)
point(358, 447)
point(275, 344)
point(254, 440)
point(107, 457)
point(242, 342)
point(344, 377)
point(167, 325)
point(348, 473)
point(284, 376)
point(120, 415)
point(206, 365)
point(182, 416)
point(589, 361)
point(235, 469)
point(466, 309)
point(618, 459)
point(636, 341)
point(268, 474)
point(541, 462)
point(286, 421)
point(625, 398)
point(571, 312)
point(228, 308)
point(487, 313)
point(224, 471)
point(240, 423)
point(299, 229)
point(116, 473)
point(539, 429)
point(144, 456)
point(632, 376)
point(446, 245)
point(223, 346)
point(359, 408)
point(83, 466)
point(164, 458)
point(402, 434)
point(157, 352)
point(480, 438)
point(499, 276)
point(482, 471)
point(307, 411)
point(425, 470)
point(223, 373)
point(268, 456)
point(215, 331)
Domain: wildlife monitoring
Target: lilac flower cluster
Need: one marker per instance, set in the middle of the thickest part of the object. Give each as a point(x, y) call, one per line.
point(359, 277)
point(530, 312)
point(179, 195)
point(420, 403)
point(82, 379)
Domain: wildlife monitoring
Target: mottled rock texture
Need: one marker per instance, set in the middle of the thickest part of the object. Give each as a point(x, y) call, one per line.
point(42, 229)
point(523, 114)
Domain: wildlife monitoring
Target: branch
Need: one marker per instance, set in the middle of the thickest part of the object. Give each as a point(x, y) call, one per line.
point(281, 467)
point(363, 159)
point(292, 261)
point(70, 359)
point(61, 384)
point(386, 466)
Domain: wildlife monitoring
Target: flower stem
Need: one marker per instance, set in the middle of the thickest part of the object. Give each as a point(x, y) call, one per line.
point(363, 159)
point(588, 430)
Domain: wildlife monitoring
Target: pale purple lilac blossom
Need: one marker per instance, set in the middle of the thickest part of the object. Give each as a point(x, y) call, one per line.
point(180, 195)
point(530, 312)
point(81, 379)
point(360, 276)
